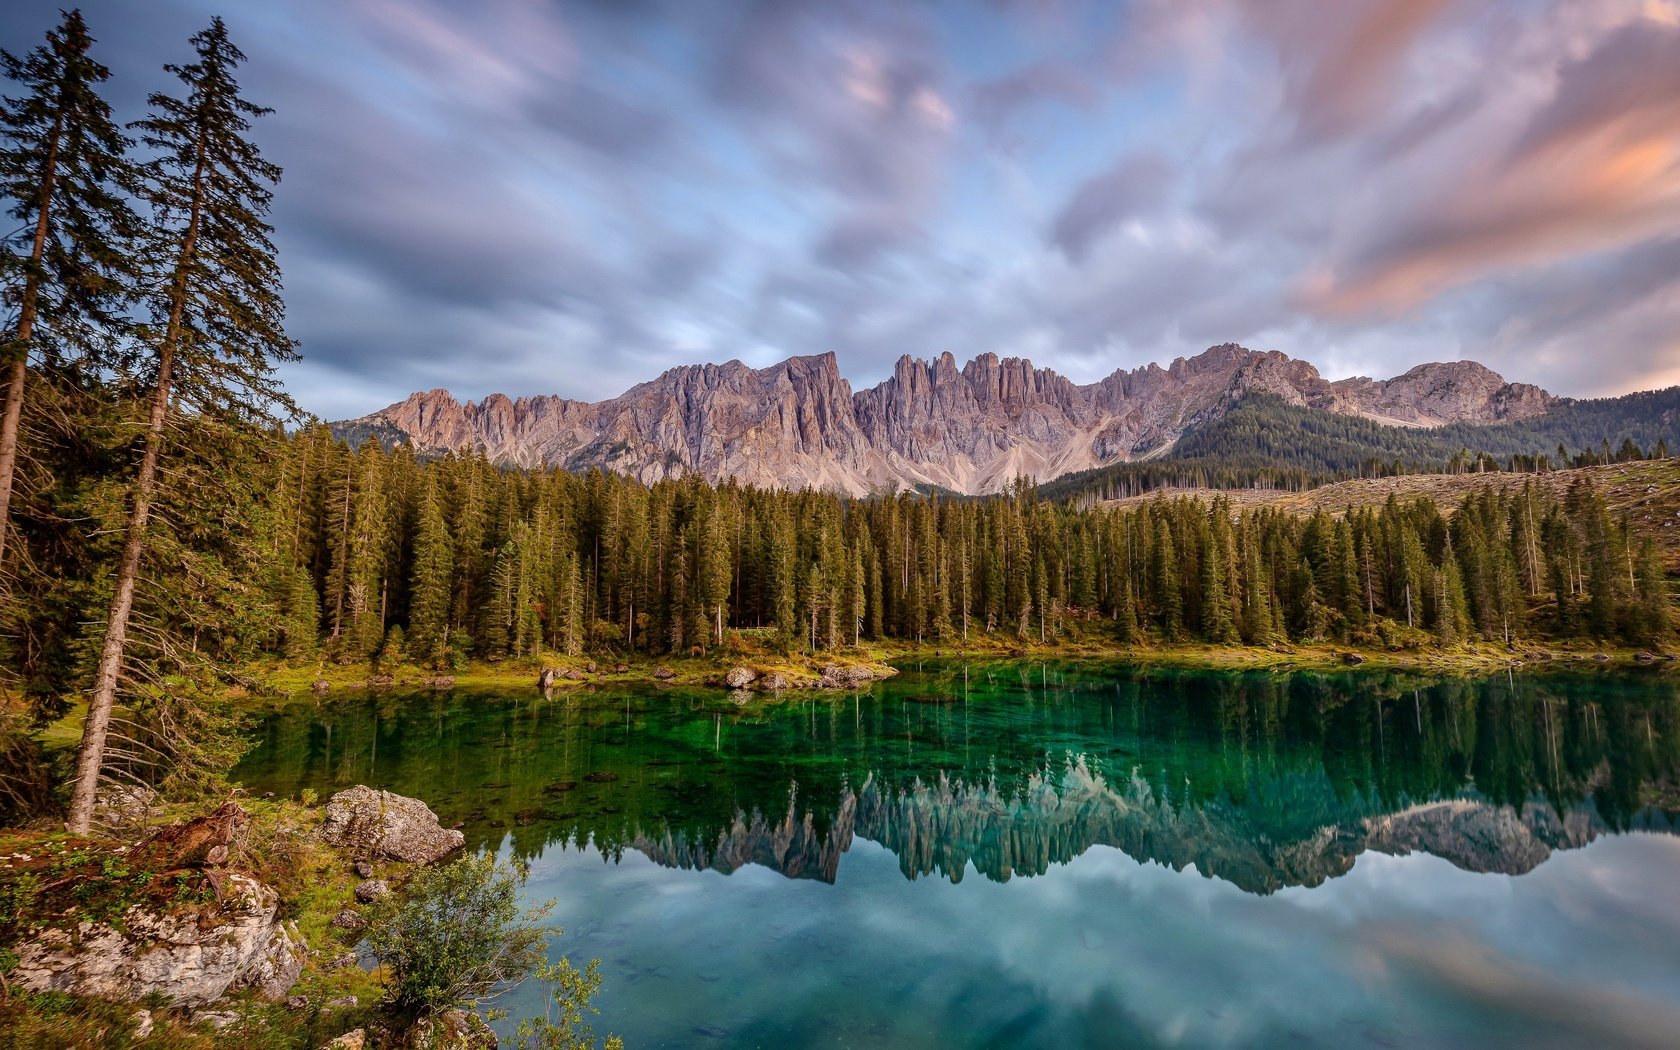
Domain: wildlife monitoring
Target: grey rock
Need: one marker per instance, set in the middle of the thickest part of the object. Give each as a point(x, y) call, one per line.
point(349, 919)
point(740, 677)
point(274, 972)
point(298, 1002)
point(122, 805)
point(364, 870)
point(454, 1029)
point(142, 1020)
point(371, 890)
point(188, 956)
point(355, 1039)
point(216, 1018)
point(774, 682)
point(664, 673)
point(348, 1002)
point(837, 677)
point(387, 826)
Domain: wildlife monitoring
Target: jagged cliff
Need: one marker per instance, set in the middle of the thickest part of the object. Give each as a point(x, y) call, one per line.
point(971, 429)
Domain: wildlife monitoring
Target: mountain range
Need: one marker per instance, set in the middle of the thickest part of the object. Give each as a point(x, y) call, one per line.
point(970, 429)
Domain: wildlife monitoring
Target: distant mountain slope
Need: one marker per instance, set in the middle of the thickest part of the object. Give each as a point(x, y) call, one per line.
point(970, 430)
point(1266, 442)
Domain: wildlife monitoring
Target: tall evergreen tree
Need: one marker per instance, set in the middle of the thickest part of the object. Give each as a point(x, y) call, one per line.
point(215, 328)
point(62, 164)
point(428, 609)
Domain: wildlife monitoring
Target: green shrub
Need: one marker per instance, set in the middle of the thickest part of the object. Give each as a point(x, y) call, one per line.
point(456, 936)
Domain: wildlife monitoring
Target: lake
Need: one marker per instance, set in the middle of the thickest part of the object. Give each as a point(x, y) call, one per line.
point(1024, 855)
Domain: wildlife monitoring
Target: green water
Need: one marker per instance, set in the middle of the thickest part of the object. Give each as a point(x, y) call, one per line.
point(1029, 855)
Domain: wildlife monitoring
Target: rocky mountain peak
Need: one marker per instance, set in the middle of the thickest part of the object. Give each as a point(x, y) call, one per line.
point(972, 428)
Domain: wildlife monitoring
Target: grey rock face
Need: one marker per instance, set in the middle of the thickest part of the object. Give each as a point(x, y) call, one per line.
point(190, 957)
point(740, 677)
point(972, 429)
point(386, 826)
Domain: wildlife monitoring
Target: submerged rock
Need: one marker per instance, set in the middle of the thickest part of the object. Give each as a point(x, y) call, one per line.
point(387, 826)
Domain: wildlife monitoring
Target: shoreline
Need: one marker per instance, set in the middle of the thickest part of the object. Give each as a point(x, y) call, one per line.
point(280, 682)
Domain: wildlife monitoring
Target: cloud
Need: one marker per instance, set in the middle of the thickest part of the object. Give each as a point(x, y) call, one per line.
point(1102, 202)
point(572, 196)
point(1596, 168)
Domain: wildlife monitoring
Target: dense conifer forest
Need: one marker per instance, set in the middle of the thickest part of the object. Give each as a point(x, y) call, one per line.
point(373, 555)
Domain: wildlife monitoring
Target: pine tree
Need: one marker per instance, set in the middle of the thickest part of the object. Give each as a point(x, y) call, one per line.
point(432, 581)
point(1653, 615)
point(62, 163)
point(215, 328)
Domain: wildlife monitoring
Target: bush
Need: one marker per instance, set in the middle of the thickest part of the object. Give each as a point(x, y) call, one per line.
point(456, 936)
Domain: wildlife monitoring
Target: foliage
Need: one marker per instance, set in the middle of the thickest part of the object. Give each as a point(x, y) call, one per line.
point(562, 1027)
point(456, 936)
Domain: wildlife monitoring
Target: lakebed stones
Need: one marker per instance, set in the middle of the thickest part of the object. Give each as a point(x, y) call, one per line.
point(387, 826)
point(188, 956)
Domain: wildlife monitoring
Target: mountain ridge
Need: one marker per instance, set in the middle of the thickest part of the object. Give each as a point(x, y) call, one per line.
point(970, 429)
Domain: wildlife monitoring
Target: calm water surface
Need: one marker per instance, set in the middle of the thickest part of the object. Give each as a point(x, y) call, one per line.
point(1020, 855)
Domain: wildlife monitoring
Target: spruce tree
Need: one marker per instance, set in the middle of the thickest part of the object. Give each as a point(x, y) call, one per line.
point(212, 293)
point(63, 165)
point(432, 581)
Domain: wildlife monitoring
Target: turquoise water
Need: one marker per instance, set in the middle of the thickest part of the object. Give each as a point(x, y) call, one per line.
point(1032, 855)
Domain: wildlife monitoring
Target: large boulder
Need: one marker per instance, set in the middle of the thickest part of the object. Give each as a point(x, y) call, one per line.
point(188, 956)
point(387, 826)
point(740, 677)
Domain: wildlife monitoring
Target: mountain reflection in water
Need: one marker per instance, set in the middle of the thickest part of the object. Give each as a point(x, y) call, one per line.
point(1259, 780)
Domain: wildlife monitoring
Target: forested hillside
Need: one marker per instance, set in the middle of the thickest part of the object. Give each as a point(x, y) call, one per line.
point(380, 556)
point(1264, 442)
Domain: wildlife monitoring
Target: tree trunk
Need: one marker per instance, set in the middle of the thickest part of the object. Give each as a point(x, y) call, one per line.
point(18, 372)
point(91, 756)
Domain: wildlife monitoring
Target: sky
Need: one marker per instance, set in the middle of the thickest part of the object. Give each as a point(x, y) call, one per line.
point(539, 197)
